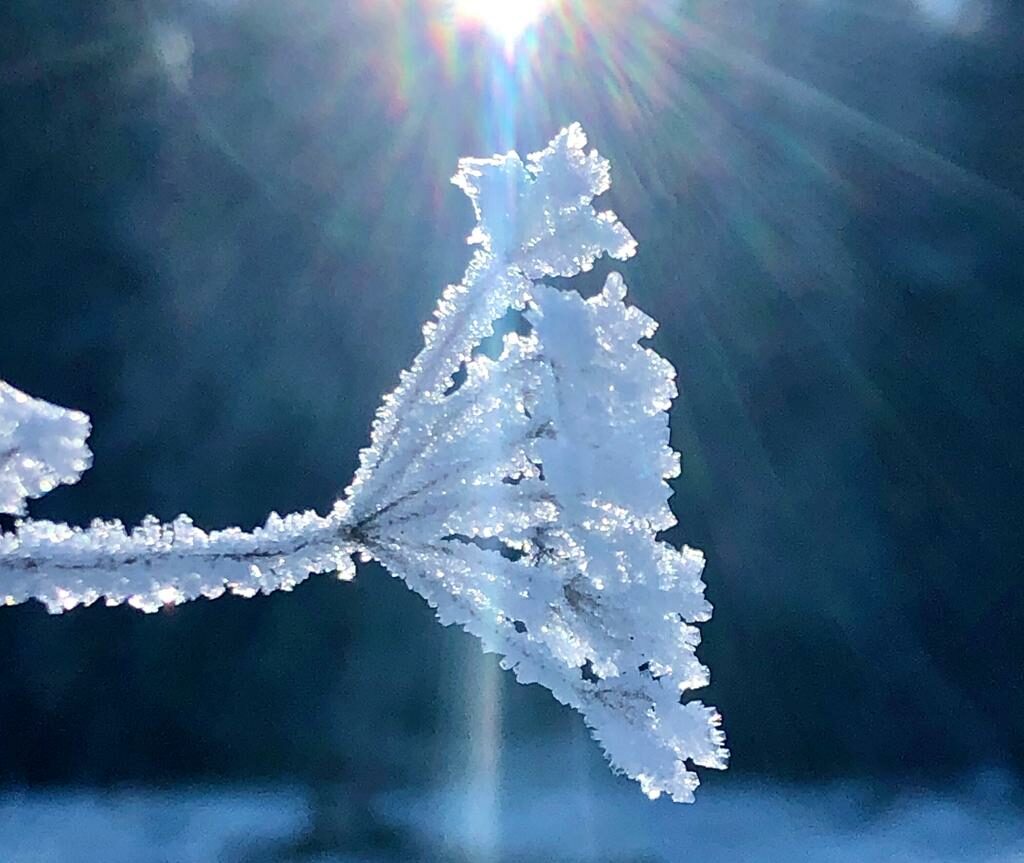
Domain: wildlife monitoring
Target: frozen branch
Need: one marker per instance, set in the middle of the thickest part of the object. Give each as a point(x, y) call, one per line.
point(522, 499)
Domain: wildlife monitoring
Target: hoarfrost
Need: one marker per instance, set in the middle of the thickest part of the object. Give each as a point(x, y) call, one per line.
point(41, 446)
point(522, 502)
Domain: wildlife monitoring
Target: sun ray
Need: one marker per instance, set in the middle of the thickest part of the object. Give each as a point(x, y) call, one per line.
point(506, 20)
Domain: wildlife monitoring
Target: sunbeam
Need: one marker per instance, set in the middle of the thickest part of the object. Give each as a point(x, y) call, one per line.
point(507, 20)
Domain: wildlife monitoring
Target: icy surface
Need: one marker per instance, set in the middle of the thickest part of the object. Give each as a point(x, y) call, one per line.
point(41, 446)
point(520, 495)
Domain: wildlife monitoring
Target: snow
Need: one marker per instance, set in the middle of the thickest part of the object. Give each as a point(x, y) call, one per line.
point(550, 819)
point(139, 826)
point(541, 819)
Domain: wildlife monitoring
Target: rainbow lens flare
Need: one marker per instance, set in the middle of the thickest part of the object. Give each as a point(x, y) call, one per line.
point(506, 20)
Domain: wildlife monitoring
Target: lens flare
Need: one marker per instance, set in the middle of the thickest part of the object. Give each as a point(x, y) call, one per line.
point(507, 20)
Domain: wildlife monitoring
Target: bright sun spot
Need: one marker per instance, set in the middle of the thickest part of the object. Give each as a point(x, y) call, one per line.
point(505, 19)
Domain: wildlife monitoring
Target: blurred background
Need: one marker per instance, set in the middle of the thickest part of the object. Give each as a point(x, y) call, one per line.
point(222, 223)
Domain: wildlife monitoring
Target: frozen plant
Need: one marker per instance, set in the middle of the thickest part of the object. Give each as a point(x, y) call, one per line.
point(520, 495)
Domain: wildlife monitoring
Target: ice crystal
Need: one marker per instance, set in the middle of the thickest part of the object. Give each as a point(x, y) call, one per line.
point(41, 446)
point(522, 498)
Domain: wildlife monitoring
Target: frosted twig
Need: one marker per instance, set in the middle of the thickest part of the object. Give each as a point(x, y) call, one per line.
point(522, 503)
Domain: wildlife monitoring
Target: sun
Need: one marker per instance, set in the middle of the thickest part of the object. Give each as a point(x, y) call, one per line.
point(506, 20)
